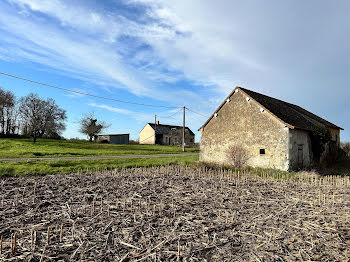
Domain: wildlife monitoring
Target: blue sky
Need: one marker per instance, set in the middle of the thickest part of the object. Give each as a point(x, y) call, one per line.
point(176, 53)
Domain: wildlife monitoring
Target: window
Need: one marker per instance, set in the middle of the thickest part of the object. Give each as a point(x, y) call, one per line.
point(262, 151)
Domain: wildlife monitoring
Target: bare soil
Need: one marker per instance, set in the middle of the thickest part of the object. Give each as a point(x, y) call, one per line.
point(174, 213)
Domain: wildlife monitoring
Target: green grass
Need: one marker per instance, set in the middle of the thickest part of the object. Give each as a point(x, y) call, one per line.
point(13, 148)
point(262, 172)
point(73, 166)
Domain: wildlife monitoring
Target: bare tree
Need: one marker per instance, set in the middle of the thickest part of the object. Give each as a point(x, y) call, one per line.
point(346, 147)
point(90, 126)
point(41, 117)
point(52, 119)
point(7, 112)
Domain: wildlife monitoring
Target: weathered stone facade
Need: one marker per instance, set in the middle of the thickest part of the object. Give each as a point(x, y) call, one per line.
point(165, 135)
point(269, 141)
point(240, 122)
point(118, 139)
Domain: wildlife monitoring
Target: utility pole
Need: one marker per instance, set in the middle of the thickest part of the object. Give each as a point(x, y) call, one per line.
point(183, 128)
point(155, 129)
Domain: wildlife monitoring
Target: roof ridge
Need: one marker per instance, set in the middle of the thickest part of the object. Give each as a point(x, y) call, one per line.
point(269, 96)
point(312, 115)
point(290, 114)
point(165, 125)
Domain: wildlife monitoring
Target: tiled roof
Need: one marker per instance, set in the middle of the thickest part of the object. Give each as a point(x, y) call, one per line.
point(292, 115)
point(166, 129)
point(114, 135)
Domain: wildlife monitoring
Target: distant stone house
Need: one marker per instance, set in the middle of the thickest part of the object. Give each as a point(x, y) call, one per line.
point(119, 139)
point(158, 134)
point(274, 133)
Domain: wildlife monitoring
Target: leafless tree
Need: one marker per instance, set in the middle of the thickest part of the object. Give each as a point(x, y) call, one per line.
point(41, 117)
point(90, 126)
point(7, 112)
point(346, 147)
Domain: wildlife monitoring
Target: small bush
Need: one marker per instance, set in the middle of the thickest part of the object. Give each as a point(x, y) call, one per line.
point(238, 156)
point(346, 147)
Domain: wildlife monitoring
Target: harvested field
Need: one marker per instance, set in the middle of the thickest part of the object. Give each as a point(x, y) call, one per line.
point(174, 213)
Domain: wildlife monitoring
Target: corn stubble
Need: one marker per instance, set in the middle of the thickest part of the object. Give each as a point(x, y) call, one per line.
point(174, 213)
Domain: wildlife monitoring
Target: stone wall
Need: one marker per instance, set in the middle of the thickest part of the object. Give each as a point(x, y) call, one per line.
point(147, 136)
point(242, 121)
point(176, 137)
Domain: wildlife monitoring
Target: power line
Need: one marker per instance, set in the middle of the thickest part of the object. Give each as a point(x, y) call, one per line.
point(146, 138)
point(101, 97)
point(86, 94)
point(197, 113)
point(170, 116)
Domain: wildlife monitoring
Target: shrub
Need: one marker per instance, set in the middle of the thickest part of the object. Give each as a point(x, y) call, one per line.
point(238, 156)
point(346, 147)
point(320, 137)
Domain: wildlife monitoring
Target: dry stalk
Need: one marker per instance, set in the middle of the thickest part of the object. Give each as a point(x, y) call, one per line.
point(73, 230)
point(32, 243)
point(13, 243)
point(211, 209)
point(61, 233)
point(1, 239)
point(34, 193)
point(48, 236)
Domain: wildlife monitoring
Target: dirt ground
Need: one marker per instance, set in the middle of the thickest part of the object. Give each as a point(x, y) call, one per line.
point(174, 213)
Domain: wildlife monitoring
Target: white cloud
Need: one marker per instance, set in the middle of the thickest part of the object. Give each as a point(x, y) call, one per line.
point(77, 48)
point(170, 117)
point(214, 45)
point(113, 109)
point(207, 47)
point(187, 45)
point(138, 116)
point(85, 57)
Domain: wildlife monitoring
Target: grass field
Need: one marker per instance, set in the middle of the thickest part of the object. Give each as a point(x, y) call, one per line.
point(68, 167)
point(12, 148)
point(175, 213)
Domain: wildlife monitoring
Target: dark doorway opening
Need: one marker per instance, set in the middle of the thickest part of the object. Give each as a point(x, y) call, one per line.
point(300, 156)
point(159, 139)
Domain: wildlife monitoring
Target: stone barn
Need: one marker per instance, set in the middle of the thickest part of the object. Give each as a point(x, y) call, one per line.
point(118, 139)
point(158, 134)
point(272, 133)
